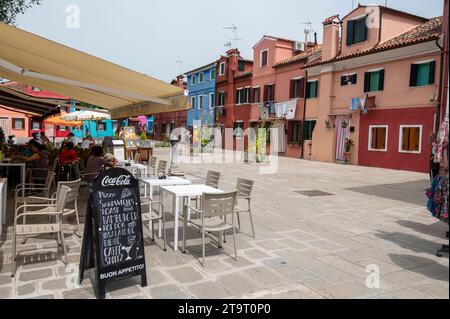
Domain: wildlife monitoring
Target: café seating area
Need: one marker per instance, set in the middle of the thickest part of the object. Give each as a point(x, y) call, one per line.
point(54, 206)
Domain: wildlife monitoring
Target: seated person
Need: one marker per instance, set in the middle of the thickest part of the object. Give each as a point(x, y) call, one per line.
point(110, 158)
point(95, 163)
point(68, 155)
point(87, 143)
point(37, 160)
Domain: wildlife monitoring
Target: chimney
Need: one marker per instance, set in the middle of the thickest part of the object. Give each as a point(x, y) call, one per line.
point(233, 55)
point(330, 42)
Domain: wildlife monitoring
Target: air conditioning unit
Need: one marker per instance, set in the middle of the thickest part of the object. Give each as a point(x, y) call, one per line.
point(299, 46)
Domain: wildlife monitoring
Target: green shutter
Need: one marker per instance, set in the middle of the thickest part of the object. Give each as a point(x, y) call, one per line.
point(413, 75)
point(432, 72)
point(308, 90)
point(350, 32)
point(381, 80)
point(364, 29)
point(423, 74)
point(367, 82)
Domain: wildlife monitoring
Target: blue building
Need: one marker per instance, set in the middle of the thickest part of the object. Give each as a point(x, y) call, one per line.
point(201, 84)
point(97, 129)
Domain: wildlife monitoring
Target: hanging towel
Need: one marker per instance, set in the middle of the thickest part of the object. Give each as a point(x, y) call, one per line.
point(354, 104)
point(290, 113)
point(362, 102)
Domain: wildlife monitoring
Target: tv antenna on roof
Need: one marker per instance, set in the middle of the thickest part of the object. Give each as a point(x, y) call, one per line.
point(234, 30)
point(308, 30)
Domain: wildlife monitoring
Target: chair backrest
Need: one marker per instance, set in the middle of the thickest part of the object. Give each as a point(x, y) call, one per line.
point(152, 162)
point(137, 158)
point(49, 181)
point(162, 165)
point(212, 179)
point(244, 187)
point(61, 198)
point(216, 205)
point(72, 194)
point(55, 164)
point(76, 170)
point(81, 165)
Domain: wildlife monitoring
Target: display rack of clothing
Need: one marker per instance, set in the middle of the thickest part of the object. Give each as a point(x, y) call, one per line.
point(438, 192)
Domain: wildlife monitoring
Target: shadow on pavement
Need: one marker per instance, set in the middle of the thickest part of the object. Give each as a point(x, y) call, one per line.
point(432, 230)
point(431, 269)
point(410, 242)
point(409, 192)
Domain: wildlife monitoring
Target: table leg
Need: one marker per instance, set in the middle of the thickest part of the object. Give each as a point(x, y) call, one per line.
point(175, 227)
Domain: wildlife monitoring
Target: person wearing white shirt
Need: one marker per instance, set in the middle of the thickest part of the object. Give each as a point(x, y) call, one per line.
point(88, 142)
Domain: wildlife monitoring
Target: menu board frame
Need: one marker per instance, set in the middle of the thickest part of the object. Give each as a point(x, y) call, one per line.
point(113, 191)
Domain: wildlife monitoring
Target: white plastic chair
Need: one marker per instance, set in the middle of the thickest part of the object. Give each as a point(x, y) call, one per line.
point(52, 227)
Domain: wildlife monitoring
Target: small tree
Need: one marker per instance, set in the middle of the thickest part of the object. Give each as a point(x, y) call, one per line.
point(9, 9)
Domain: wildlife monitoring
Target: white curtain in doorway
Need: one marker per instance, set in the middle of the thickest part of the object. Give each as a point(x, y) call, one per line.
point(342, 133)
point(280, 141)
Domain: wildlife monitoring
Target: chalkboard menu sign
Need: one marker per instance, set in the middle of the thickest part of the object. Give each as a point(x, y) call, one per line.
point(113, 240)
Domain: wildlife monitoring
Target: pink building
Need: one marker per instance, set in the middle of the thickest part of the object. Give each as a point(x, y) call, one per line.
point(279, 84)
point(378, 84)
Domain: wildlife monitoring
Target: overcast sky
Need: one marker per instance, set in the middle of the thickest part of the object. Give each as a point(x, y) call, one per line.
point(149, 36)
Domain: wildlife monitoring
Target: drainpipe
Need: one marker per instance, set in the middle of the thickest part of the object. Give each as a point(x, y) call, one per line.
point(440, 106)
point(302, 156)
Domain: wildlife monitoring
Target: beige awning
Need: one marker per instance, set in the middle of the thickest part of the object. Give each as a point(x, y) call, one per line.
point(32, 60)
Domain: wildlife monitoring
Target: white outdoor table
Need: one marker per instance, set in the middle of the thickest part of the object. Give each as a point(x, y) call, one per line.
point(3, 198)
point(169, 181)
point(182, 192)
point(22, 171)
point(156, 182)
point(133, 167)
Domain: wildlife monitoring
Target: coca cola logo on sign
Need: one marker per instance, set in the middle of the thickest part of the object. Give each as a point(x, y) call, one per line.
point(122, 180)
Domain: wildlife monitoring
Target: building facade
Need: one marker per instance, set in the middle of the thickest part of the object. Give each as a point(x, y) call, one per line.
point(201, 84)
point(164, 123)
point(234, 80)
point(378, 85)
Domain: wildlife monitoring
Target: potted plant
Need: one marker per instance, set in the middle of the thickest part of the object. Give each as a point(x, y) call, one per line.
point(348, 149)
point(327, 124)
point(344, 124)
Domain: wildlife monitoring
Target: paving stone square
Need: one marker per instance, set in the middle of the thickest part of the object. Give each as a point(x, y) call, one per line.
point(305, 247)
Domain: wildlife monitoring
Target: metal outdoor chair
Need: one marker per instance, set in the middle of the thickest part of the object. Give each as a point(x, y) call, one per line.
point(212, 179)
point(41, 191)
point(244, 192)
point(52, 227)
point(212, 219)
point(151, 216)
point(152, 166)
point(162, 168)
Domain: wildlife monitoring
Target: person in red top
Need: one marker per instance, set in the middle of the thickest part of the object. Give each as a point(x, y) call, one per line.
point(68, 155)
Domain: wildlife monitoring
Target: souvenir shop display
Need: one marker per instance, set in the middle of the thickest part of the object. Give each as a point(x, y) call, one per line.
point(438, 192)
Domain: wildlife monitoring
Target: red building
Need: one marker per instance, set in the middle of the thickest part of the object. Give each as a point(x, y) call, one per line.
point(164, 123)
point(233, 92)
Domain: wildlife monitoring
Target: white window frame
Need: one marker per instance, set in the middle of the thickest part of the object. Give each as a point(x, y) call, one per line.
point(222, 72)
point(200, 80)
point(200, 105)
point(211, 100)
point(193, 100)
point(369, 147)
point(260, 58)
point(239, 91)
point(211, 73)
point(400, 139)
point(193, 78)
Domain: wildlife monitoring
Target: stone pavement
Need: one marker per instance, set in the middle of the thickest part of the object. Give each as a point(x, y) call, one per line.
point(305, 247)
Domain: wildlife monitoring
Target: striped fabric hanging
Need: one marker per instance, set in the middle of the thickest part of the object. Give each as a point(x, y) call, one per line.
point(341, 135)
